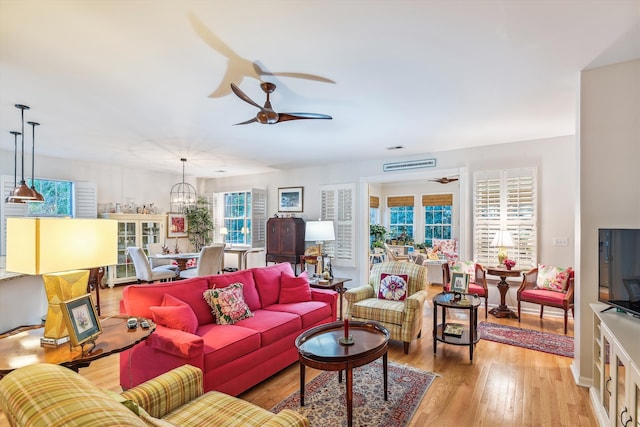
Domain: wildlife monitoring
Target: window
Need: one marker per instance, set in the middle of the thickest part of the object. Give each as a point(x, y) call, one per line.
point(437, 217)
point(401, 216)
point(506, 199)
point(58, 198)
point(237, 217)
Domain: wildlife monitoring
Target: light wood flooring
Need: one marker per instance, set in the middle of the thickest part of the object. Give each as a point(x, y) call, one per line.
point(504, 386)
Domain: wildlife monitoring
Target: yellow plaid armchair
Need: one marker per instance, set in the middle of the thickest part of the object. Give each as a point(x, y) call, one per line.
point(46, 395)
point(403, 319)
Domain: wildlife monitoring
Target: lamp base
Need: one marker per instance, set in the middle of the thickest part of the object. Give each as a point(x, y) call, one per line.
point(61, 287)
point(502, 255)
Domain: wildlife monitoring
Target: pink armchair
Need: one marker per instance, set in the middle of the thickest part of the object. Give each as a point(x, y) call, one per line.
point(558, 294)
point(477, 282)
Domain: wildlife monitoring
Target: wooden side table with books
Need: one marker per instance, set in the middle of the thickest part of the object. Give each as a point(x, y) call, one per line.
point(453, 332)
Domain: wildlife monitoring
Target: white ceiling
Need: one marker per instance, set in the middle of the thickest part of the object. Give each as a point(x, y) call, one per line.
point(146, 82)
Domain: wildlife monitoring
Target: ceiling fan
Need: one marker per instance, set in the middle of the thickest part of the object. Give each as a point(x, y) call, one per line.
point(266, 115)
point(445, 180)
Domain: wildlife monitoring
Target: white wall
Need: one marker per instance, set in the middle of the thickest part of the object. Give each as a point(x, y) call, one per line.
point(609, 182)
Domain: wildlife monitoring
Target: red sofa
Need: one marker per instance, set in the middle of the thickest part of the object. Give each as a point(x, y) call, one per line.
point(234, 357)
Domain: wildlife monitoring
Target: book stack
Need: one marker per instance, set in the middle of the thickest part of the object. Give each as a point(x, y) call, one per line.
point(453, 329)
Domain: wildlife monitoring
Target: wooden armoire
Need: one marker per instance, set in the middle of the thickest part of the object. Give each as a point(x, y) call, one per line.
point(285, 240)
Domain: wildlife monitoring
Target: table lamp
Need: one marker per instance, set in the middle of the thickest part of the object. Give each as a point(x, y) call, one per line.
point(61, 250)
point(223, 232)
point(502, 240)
point(319, 232)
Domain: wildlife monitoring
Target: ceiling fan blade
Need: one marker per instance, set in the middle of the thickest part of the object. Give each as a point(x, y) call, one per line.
point(283, 117)
point(244, 96)
point(247, 122)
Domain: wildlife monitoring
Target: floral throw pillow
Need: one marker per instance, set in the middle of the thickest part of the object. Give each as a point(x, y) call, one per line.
point(393, 287)
point(227, 304)
point(466, 267)
point(553, 278)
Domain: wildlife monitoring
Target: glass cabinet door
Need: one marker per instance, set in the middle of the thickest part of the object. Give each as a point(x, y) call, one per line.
point(607, 385)
point(150, 233)
point(622, 412)
point(126, 238)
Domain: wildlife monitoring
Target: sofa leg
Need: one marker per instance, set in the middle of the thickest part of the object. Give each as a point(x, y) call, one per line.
point(406, 347)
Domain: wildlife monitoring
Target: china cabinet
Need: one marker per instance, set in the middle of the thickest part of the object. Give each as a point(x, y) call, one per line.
point(616, 368)
point(134, 230)
point(285, 240)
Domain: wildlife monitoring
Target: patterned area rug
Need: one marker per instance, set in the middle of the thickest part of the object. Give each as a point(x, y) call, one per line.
point(325, 401)
point(560, 345)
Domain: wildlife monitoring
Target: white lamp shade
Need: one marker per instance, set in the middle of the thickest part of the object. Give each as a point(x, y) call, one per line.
point(223, 230)
point(502, 239)
point(51, 245)
point(319, 231)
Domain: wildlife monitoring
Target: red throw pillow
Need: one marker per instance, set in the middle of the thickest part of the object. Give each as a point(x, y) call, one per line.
point(393, 287)
point(294, 289)
point(175, 314)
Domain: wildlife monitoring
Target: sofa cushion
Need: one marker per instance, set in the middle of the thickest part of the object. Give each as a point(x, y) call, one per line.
point(225, 343)
point(543, 296)
point(294, 289)
point(553, 278)
point(175, 342)
point(272, 325)
point(379, 310)
point(311, 312)
point(227, 304)
point(175, 313)
point(268, 282)
point(245, 277)
point(138, 298)
point(393, 286)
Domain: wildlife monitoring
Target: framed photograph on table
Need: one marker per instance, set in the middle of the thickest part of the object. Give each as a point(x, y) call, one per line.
point(176, 225)
point(81, 319)
point(290, 199)
point(460, 282)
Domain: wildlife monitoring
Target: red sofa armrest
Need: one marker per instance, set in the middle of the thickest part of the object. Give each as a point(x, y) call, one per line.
point(328, 296)
point(176, 342)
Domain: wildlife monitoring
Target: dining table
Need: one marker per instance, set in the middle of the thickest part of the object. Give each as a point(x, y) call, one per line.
point(181, 258)
point(239, 251)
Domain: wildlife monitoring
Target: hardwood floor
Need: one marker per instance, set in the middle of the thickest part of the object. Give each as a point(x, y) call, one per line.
point(504, 386)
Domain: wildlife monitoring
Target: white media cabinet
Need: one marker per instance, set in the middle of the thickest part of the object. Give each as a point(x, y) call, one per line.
point(615, 394)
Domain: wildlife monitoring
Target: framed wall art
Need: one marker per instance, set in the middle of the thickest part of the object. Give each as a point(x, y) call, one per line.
point(176, 225)
point(81, 319)
point(290, 199)
point(460, 282)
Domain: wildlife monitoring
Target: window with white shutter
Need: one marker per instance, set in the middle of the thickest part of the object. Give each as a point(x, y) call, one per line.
point(239, 211)
point(337, 205)
point(506, 199)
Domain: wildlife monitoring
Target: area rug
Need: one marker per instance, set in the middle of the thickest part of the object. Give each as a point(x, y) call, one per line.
point(325, 402)
point(560, 345)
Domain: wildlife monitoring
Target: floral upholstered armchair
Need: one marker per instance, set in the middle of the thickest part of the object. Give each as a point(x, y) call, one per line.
point(550, 286)
point(394, 297)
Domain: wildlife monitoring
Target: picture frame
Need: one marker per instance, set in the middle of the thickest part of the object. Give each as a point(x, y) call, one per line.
point(81, 318)
point(177, 225)
point(460, 283)
point(290, 199)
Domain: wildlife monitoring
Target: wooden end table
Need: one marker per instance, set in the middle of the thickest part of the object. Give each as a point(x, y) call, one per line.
point(335, 284)
point(502, 310)
point(319, 348)
point(469, 333)
point(23, 348)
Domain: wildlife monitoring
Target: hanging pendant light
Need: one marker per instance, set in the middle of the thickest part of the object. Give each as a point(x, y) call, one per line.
point(182, 194)
point(10, 198)
point(22, 191)
point(38, 197)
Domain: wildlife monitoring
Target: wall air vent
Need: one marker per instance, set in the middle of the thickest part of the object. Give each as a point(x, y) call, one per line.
point(412, 164)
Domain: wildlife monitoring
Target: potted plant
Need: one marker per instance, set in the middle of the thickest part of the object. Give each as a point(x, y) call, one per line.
point(378, 232)
point(199, 224)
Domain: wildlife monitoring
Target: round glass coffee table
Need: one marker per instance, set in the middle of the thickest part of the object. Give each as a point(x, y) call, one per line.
point(456, 333)
point(320, 348)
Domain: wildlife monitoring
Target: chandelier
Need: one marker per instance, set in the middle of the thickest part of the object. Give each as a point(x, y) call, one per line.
point(183, 194)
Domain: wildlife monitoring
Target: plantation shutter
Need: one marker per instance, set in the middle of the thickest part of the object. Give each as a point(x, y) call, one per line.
point(337, 205)
point(505, 200)
point(85, 200)
point(258, 218)
point(8, 210)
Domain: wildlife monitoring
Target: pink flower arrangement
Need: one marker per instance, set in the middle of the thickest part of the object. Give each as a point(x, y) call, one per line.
point(509, 263)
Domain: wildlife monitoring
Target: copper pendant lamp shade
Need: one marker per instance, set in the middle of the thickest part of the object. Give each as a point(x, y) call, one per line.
point(22, 191)
point(38, 196)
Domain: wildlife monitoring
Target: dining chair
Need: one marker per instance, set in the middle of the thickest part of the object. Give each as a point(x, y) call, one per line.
point(245, 256)
point(144, 272)
point(209, 262)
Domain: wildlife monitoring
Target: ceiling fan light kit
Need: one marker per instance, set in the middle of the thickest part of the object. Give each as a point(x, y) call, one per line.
point(267, 115)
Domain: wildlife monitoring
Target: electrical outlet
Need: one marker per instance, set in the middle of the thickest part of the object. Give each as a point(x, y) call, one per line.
point(560, 241)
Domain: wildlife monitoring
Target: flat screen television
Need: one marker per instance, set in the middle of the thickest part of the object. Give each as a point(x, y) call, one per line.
point(619, 268)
